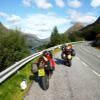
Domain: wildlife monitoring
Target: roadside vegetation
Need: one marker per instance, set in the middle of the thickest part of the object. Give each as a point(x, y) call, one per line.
point(13, 48)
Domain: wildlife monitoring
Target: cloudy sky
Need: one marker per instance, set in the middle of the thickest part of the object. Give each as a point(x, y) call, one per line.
point(40, 16)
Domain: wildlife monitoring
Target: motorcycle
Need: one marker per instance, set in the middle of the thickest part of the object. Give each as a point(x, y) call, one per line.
point(67, 59)
point(43, 76)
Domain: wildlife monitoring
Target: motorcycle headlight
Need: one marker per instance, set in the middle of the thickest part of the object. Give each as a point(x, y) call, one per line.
point(69, 56)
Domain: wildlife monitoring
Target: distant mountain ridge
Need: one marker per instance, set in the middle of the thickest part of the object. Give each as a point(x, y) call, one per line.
point(77, 26)
point(3, 28)
point(97, 22)
point(32, 40)
point(92, 32)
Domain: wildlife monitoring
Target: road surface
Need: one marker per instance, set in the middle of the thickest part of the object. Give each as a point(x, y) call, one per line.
point(79, 82)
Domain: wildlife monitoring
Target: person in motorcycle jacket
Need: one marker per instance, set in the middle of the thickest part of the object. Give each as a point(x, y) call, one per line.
point(68, 50)
point(47, 61)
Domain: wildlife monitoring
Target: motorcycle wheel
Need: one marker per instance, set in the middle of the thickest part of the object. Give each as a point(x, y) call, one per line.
point(68, 63)
point(45, 82)
point(34, 69)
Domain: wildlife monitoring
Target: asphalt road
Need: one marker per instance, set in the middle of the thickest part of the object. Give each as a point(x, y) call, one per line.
point(79, 82)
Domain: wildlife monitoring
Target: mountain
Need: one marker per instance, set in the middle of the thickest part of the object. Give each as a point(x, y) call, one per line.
point(33, 41)
point(74, 28)
point(98, 20)
point(92, 32)
point(3, 28)
point(91, 26)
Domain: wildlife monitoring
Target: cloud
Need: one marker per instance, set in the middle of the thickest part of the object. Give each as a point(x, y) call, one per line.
point(74, 3)
point(44, 4)
point(42, 28)
point(14, 19)
point(27, 3)
point(60, 3)
point(35, 23)
point(42, 24)
point(95, 3)
point(2, 14)
point(10, 18)
point(86, 18)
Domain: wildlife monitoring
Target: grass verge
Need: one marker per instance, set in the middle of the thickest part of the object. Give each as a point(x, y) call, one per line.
point(56, 51)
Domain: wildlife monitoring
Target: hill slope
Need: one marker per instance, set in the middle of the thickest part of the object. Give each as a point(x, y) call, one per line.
point(91, 31)
point(74, 28)
point(32, 40)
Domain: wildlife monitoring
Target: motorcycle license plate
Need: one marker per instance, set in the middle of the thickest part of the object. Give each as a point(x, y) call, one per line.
point(41, 72)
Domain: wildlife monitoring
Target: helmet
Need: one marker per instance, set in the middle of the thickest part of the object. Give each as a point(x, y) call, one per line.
point(69, 44)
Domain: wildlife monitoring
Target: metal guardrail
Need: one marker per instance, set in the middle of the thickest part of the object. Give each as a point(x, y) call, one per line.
point(15, 67)
point(12, 69)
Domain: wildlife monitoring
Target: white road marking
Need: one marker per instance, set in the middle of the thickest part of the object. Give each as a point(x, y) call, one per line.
point(84, 63)
point(99, 56)
point(87, 50)
point(96, 73)
point(78, 58)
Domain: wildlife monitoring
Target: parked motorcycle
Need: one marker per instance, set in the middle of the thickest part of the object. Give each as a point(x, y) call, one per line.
point(43, 76)
point(67, 59)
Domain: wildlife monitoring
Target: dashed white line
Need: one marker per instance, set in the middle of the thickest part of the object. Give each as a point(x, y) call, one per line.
point(96, 73)
point(77, 58)
point(84, 63)
point(99, 56)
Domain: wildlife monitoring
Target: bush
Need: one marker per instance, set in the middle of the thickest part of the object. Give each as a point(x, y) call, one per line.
point(12, 48)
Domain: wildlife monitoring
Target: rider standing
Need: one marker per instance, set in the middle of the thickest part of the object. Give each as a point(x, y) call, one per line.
point(68, 50)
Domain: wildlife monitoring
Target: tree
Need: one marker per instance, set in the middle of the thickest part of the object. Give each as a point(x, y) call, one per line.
point(55, 37)
point(72, 37)
point(64, 38)
point(13, 48)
